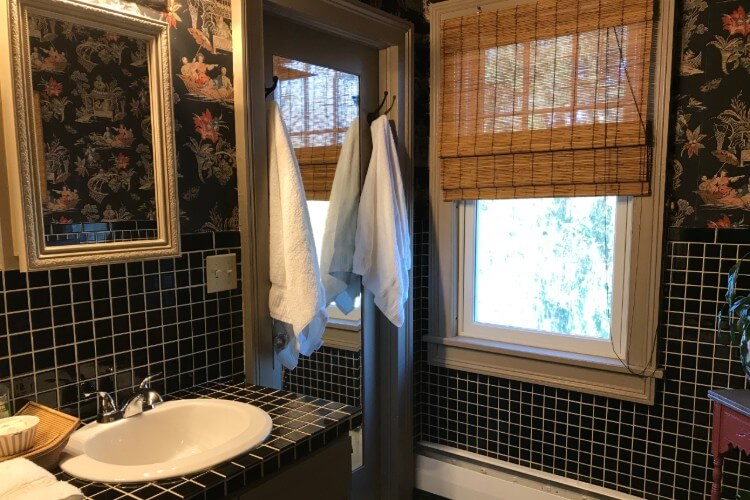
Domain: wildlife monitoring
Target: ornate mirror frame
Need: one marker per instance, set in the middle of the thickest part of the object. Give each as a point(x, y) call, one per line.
point(22, 138)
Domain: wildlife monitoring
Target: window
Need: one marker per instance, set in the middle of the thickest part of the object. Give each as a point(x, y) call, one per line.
point(318, 210)
point(561, 257)
point(318, 103)
point(538, 275)
point(572, 95)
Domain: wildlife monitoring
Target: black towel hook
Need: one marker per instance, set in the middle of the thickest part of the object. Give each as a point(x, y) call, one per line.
point(393, 102)
point(270, 90)
point(371, 116)
point(374, 114)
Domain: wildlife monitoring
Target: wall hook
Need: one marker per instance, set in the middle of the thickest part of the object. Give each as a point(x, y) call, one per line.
point(393, 102)
point(374, 114)
point(270, 90)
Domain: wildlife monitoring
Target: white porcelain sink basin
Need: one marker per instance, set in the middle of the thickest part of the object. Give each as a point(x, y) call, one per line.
point(173, 439)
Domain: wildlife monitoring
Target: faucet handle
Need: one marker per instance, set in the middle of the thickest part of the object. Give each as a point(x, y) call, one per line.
point(146, 383)
point(150, 398)
point(106, 408)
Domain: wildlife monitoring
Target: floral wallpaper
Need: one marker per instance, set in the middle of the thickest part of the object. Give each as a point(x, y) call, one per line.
point(710, 185)
point(201, 45)
point(93, 97)
point(92, 89)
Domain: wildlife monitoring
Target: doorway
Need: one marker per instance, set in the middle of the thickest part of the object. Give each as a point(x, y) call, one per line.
point(341, 55)
point(324, 86)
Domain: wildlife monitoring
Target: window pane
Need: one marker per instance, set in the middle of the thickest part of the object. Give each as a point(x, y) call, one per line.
point(318, 210)
point(546, 264)
point(317, 103)
point(558, 82)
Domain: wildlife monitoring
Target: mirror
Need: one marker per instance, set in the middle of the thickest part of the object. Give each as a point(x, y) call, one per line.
point(94, 138)
point(326, 82)
point(320, 107)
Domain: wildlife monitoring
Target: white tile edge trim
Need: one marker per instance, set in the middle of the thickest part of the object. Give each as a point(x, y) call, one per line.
point(461, 475)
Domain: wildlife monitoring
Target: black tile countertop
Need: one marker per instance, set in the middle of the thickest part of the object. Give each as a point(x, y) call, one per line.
point(301, 425)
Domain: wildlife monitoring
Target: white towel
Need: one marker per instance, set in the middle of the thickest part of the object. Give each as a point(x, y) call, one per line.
point(337, 254)
point(297, 296)
point(21, 479)
point(382, 254)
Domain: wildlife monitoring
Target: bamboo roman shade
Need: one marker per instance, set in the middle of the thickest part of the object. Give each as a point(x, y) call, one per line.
point(318, 105)
point(317, 165)
point(549, 98)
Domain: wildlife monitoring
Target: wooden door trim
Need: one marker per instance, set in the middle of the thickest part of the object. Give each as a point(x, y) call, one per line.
point(250, 126)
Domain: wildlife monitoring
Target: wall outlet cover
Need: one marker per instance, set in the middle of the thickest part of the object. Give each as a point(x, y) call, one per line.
point(221, 272)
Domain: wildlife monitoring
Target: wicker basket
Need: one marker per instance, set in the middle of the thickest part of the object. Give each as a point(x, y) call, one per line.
point(52, 435)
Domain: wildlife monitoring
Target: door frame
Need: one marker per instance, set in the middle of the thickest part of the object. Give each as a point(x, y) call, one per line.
point(387, 351)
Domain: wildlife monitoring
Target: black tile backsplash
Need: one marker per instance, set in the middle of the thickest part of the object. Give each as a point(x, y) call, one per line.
point(65, 332)
point(660, 451)
point(329, 373)
point(99, 232)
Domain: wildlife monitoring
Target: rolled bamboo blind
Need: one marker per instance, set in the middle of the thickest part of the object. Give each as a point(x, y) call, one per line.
point(318, 167)
point(318, 106)
point(549, 98)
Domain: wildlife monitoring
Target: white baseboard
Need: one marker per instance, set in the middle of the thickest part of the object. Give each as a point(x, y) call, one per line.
point(461, 475)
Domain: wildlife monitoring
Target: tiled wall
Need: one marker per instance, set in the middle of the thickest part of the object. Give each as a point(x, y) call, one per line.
point(64, 332)
point(330, 373)
point(660, 451)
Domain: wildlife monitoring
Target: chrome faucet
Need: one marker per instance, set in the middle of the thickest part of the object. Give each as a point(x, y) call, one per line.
point(143, 399)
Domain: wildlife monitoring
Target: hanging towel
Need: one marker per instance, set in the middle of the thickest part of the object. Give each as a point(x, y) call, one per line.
point(382, 253)
point(337, 255)
point(297, 297)
point(21, 479)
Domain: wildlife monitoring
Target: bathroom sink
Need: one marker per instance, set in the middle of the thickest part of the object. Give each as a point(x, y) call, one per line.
point(173, 439)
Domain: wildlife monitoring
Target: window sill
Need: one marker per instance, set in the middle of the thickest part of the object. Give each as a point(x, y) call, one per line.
point(589, 374)
point(344, 324)
point(343, 335)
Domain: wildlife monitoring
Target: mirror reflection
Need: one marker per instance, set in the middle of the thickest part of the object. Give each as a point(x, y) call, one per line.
point(320, 107)
point(92, 121)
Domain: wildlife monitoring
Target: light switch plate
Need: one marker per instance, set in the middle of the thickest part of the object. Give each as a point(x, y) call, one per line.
point(221, 272)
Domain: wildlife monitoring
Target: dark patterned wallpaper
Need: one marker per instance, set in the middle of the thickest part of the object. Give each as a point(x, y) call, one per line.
point(201, 38)
point(93, 98)
point(711, 98)
point(202, 79)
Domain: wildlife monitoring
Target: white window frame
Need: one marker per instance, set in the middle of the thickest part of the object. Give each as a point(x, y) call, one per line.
point(629, 370)
point(467, 327)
